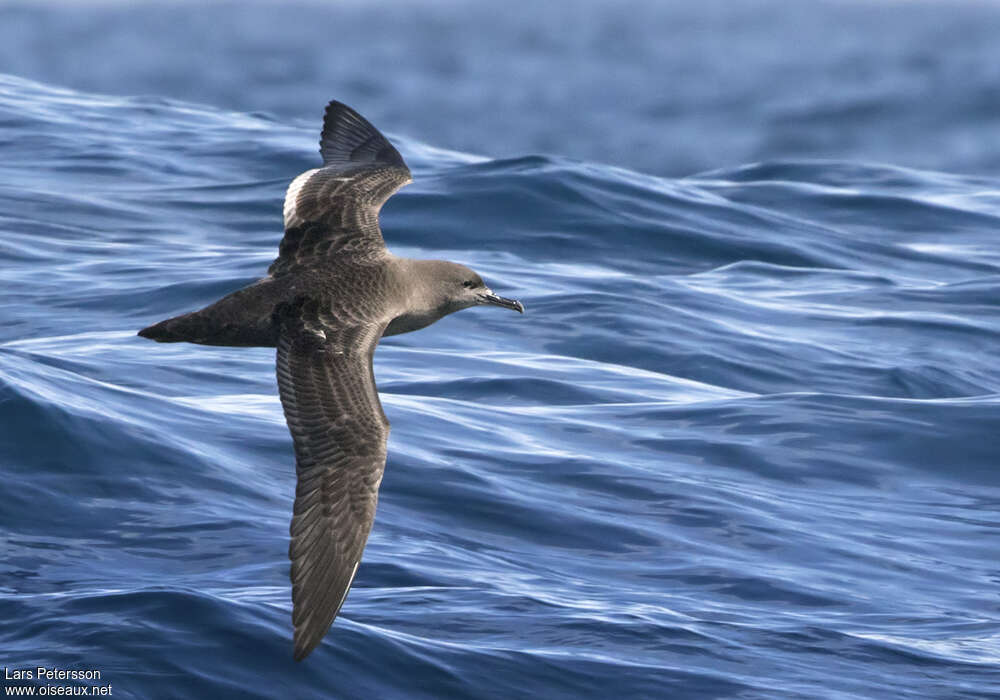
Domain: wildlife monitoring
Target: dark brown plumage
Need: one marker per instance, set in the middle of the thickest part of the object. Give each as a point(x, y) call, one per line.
point(331, 294)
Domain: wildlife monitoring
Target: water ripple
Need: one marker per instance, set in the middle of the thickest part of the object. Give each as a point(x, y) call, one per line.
point(741, 445)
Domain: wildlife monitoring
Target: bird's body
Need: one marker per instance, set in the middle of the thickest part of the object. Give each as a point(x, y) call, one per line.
point(331, 294)
point(387, 290)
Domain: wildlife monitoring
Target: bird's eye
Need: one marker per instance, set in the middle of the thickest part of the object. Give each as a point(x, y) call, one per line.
point(468, 284)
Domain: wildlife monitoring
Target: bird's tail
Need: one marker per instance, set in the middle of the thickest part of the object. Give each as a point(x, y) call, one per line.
point(240, 319)
point(186, 328)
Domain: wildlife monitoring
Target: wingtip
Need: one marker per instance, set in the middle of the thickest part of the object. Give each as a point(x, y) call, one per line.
point(333, 109)
point(348, 137)
point(304, 644)
point(336, 105)
point(333, 114)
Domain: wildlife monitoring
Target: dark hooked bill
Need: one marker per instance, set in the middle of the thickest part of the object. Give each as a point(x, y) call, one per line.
point(501, 301)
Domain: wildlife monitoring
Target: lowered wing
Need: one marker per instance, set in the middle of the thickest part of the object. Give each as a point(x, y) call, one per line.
point(333, 411)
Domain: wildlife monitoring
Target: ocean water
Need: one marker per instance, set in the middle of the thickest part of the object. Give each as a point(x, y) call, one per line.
point(743, 444)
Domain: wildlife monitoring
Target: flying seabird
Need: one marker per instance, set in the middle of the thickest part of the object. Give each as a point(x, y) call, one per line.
point(332, 293)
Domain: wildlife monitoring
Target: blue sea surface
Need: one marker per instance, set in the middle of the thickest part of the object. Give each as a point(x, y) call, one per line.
point(743, 444)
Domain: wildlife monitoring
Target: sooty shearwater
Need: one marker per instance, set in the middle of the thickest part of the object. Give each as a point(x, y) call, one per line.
point(332, 292)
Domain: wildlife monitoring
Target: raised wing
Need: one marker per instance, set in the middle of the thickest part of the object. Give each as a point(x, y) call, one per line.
point(333, 210)
point(339, 430)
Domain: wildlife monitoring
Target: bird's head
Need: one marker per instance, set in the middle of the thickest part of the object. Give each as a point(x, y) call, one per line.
point(457, 287)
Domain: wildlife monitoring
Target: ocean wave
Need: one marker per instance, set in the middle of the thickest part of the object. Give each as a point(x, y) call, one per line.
point(741, 445)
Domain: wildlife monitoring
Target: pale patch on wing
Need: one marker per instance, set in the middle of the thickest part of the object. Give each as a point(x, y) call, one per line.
point(292, 194)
